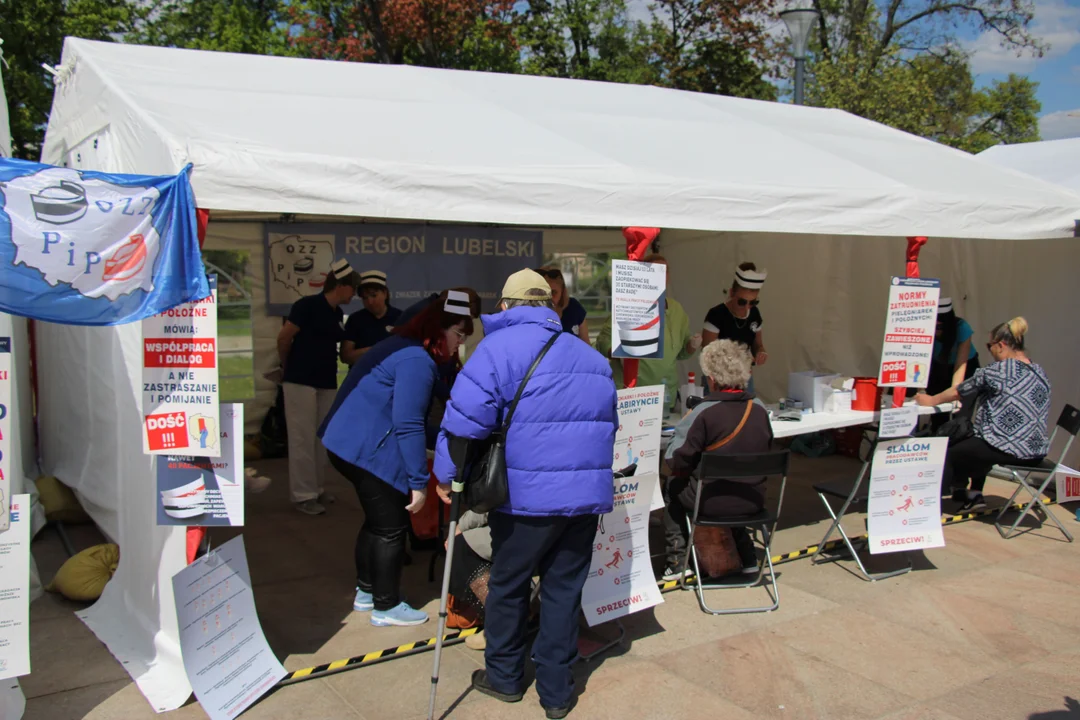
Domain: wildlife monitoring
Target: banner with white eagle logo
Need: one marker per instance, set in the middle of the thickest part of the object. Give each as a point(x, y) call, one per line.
point(92, 248)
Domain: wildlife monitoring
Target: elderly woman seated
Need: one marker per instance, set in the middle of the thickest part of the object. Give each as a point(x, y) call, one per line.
point(728, 421)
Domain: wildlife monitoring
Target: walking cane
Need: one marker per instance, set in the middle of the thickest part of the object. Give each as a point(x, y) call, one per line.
point(456, 488)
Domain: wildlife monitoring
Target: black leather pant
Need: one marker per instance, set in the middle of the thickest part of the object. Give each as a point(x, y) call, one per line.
point(380, 546)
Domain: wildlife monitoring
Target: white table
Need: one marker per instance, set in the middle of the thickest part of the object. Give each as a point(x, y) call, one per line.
point(817, 422)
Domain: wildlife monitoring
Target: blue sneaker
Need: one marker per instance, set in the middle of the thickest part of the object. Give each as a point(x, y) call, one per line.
point(363, 602)
point(400, 616)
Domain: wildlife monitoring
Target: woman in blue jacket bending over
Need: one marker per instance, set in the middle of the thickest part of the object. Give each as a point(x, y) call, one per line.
point(375, 437)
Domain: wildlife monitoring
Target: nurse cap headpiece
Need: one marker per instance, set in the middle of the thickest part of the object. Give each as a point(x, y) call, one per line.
point(750, 279)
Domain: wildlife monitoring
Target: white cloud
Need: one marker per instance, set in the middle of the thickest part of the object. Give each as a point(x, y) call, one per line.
point(1056, 23)
point(1060, 125)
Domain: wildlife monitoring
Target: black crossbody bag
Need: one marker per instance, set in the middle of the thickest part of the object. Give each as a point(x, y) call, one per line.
point(486, 485)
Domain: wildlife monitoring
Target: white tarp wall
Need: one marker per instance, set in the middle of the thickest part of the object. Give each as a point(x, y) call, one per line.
point(90, 416)
point(825, 300)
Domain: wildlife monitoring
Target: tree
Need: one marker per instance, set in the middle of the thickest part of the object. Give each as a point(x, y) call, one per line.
point(463, 34)
point(901, 64)
point(703, 45)
point(243, 26)
point(33, 33)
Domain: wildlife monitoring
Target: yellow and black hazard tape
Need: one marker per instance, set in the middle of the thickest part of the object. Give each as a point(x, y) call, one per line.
point(376, 657)
point(454, 638)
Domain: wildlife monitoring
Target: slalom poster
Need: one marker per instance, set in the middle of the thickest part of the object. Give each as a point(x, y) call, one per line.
point(904, 508)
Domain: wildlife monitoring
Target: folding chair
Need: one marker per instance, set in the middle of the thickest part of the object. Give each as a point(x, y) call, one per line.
point(853, 492)
point(717, 466)
point(1069, 423)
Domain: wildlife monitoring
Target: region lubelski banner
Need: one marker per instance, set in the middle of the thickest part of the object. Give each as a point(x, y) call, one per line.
point(92, 248)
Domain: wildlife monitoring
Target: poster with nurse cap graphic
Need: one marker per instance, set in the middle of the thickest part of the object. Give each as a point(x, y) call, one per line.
point(637, 309)
point(205, 491)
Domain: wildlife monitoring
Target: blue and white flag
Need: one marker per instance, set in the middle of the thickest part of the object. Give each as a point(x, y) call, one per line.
point(92, 248)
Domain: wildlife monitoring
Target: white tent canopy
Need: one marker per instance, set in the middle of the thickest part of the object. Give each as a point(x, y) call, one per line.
point(1055, 161)
point(289, 135)
point(820, 197)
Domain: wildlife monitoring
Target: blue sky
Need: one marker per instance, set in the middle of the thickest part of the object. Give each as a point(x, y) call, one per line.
point(1057, 22)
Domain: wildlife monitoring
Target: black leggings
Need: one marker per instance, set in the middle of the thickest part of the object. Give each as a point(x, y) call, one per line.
point(971, 459)
point(380, 546)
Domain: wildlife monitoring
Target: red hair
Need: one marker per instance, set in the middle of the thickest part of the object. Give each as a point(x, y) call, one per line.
point(429, 326)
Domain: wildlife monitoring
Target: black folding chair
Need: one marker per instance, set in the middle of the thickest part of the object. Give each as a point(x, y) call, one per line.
point(717, 466)
point(1068, 423)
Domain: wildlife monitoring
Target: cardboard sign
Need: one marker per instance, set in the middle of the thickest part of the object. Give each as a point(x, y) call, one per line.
point(909, 332)
point(1068, 484)
point(621, 579)
point(205, 491)
point(637, 441)
point(638, 302)
point(180, 380)
point(898, 422)
point(227, 659)
point(15, 591)
point(905, 495)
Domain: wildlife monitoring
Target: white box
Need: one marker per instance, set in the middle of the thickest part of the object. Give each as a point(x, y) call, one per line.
point(837, 400)
point(810, 387)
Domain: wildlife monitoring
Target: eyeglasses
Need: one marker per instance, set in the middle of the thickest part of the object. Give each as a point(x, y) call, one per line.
point(459, 333)
point(743, 302)
point(553, 274)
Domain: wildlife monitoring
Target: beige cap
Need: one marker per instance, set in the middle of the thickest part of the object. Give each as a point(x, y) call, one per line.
point(519, 284)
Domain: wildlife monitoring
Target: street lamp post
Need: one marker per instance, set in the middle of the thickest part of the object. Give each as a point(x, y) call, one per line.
point(799, 21)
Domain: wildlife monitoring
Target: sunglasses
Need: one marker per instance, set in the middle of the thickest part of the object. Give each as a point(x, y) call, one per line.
point(990, 347)
point(552, 274)
point(743, 302)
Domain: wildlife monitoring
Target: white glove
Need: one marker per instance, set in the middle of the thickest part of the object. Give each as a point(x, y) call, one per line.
point(418, 498)
point(695, 342)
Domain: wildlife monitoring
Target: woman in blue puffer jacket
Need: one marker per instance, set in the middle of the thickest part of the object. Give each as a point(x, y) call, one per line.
point(374, 434)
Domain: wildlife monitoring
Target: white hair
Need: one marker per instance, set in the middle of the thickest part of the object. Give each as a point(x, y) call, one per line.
point(728, 363)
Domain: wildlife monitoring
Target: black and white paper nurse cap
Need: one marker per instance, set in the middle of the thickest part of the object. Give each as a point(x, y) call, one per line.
point(457, 302)
point(373, 277)
point(750, 279)
point(944, 305)
point(341, 269)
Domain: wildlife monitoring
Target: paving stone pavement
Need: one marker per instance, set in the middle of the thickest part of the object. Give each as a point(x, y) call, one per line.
point(983, 629)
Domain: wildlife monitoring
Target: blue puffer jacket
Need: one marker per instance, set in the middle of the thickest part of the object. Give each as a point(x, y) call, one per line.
point(562, 436)
point(378, 418)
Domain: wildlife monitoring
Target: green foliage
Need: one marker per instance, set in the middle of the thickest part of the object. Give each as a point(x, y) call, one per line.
point(902, 67)
point(33, 32)
point(243, 26)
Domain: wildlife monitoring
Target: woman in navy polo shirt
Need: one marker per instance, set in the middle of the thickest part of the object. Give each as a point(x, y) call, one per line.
point(375, 437)
point(571, 312)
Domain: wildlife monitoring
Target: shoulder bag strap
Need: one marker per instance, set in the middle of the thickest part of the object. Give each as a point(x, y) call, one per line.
point(742, 423)
point(521, 387)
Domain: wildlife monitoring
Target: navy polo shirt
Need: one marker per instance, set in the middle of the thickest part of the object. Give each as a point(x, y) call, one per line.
point(313, 356)
point(365, 330)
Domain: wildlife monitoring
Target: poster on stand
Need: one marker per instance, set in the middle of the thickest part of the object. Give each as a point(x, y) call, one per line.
point(637, 441)
point(637, 309)
point(15, 591)
point(6, 408)
point(227, 659)
point(1067, 482)
point(898, 422)
point(909, 332)
point(417, 259)
point(905, 495)
point(205, 491)
point(621, 579)
point(180, 379)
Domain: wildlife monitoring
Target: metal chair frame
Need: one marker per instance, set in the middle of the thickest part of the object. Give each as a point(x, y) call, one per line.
point(766, 525)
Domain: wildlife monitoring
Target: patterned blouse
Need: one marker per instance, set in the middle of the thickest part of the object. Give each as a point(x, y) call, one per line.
point(1014, 407)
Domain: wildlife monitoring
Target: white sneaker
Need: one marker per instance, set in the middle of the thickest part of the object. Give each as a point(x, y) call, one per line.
point(310, 507)
point(400, 616)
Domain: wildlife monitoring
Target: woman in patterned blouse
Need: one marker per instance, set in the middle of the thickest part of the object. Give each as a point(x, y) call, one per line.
point(1013, 396)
